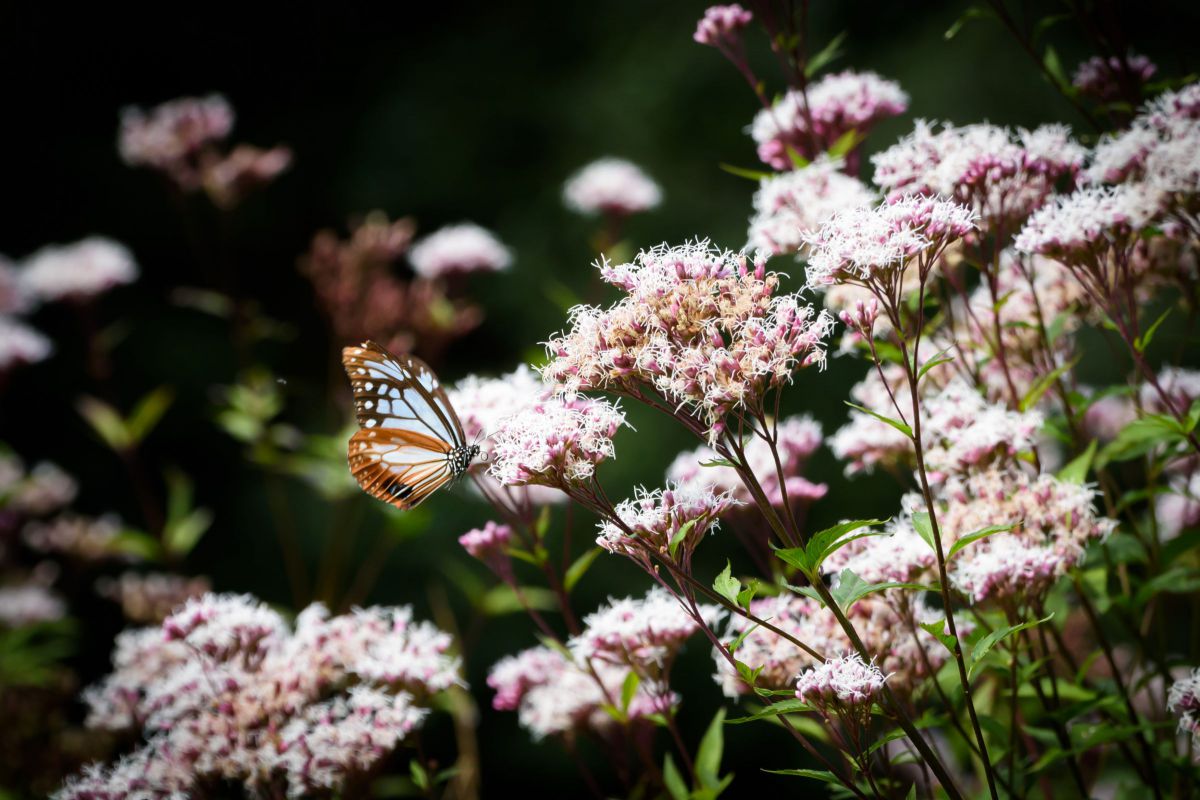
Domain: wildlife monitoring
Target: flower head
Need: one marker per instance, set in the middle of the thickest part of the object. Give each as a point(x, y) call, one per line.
point(555, 442)
point(457, 250)
point(722, 25)
point(78, 271)
point(169, 134)
point(1184, 700)
point(862, 244)
point(844, 681)
point(829, 108)
point(1078, 226)
point(20, 344)
point(638, 632)
point(793, 205)
point(611, 186)
point(1104, 78)
point(655, 519)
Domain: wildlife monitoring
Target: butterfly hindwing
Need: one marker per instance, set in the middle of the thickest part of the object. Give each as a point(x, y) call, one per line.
point(400, 393)
point(398, 466)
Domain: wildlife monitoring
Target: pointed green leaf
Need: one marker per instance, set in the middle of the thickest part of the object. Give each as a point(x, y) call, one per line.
point(1076, 471)
point(924, 528)
point(895, 423)
point(579, 568)
point(1142, 342)
point(726, 585)
point(742, 172)
point(975, 536)
point(826, 56)
point(816, 774)
point(937, 629)
point(680, 535)
point(629, 688)
point(673, 780)
point(708, 756)
point(985, 645)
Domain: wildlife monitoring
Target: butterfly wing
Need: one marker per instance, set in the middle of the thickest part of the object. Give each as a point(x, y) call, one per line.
point(399, 466)
point(409, 430)
point(401, 393)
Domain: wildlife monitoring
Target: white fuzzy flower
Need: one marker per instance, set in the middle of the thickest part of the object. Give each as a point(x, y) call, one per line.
point(78, 271)
point(611, 186)
point(459, 249)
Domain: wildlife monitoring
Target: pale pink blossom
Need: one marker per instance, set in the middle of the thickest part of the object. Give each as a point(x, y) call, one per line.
point(21, 344)
point(29, 604)
point(169, 134)
point(1184, 700)
point(1105, 418)
point(14, 297)
point(245, 168)
point(639, 632)
point(863, 244)
point(652, 521)
point(557, 443)
point(44, 489)
point(86, 538)
point(844, 681)
point(1182, 387)
point(834, 105)
point(611, 186)
point(78, 271)
point(1108, 79)
point(150, 597)
point(793, 205)
point(1179, 507)
point(458, 250)
point(722, 24)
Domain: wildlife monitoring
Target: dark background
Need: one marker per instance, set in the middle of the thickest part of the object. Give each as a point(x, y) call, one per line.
point(444, 112)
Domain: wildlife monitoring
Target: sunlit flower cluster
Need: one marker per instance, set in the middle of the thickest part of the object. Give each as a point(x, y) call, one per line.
point(796, 439)
point(898, 645)
point(792, 205)
point(674, 518)
point(701, 327)
point(1081, 227)
point(1003, 175)
point(806, 123)
point(876, 244)
point(226, 690)
point(555, 442)
point(611, 186)
point(458, 250)
point(847, 681)
point(642, 633)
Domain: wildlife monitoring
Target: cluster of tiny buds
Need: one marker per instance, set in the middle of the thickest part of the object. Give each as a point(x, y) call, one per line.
point(722, 25)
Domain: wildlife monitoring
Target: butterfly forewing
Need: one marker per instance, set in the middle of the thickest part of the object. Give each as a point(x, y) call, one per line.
point(399, 393)
point(409, 429)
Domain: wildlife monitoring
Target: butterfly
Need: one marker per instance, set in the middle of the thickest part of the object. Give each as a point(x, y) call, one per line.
point(410, 442)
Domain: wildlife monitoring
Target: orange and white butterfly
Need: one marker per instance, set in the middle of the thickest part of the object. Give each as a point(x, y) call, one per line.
point(410, 441)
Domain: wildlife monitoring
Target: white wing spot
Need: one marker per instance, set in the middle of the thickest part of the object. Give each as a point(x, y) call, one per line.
point(370, 423)
point(368, 386)
point(368, 403)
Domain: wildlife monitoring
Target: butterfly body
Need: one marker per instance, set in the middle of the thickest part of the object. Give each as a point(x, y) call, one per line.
point(410, 442)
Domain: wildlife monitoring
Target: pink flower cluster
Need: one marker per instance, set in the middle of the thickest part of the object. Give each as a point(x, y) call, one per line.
point(722, 25)
point(79, 271)
point(1108, 79)
point(459, 250)
point(151, 597)
point(844, 682)
point(44, 489)
point(808, 122)
point(181, 139)
point(796, 439)
point(651, 521)
point(701, 327)
point(227, 691)
point(793, 205)
point(84, 538)
point(1001, 174)
point(611, 186)
point(490, 545)
point(29, 604)
point(555, 442)
point(1079, 228)
point(643, 633)
point(866, 244)
point(887, 632)
point(557, 695)
point(1184, 700)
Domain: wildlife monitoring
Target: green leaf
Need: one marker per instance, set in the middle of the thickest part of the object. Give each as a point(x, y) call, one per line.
point(147, 413)
point(816, 774)
point(985, 645)
point(846, 143)
point(974, 12)
point(850, 588)
point(895, 423)
point(1054, 68)
point(1044, 383)
point(106, 422)
point(937, 629)
point(708, 756)
point(1142, 342)
point(718, 462)
point(924, 528)
point(1177, 580)
point(975, 536)
point(746, 595)
point(1076, 471)
point(790, 706)
point(502, 599)
point(184, 525)
point(742, 172)
point(826, 56)
point(673, 780)
point(136, 543)
point(579, 568)
point(420, 775)
point(808, 559)
point(726, 585)
point(798, 161)
point(680, 535)
point(1141, 437)
point(939, 359)
point(629, 688)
